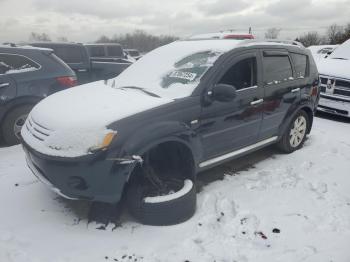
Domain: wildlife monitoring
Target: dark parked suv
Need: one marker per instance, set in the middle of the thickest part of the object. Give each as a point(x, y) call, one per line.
point(27, 75)
point(85, 67)
point(183, 108)
point(107, 52)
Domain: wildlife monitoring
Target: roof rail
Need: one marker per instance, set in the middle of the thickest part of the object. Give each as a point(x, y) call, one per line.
point(281, 41)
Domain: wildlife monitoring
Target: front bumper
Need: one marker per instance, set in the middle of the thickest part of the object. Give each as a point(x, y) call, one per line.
point(92, 177)
point(334, 105)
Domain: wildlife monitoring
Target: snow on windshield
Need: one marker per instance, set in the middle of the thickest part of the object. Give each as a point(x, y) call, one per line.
point(174, 70)
point(342, 51)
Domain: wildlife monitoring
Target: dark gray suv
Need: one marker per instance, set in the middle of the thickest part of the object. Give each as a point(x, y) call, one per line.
point(27, 75)
point(181, 109)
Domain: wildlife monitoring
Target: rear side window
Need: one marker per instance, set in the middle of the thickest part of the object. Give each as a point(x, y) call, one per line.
point(98, 51)
point(133, 53)
point(11, 64)
point(277, 69)
point(114, 51)
point(69, 54)
point(300, 64)
point(242, 74)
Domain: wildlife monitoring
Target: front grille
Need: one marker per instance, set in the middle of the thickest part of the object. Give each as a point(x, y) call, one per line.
point(323, 80)
point(334, 110)
point(38, 131)
point(338, 87)
point(342, 92)
point(342, 83)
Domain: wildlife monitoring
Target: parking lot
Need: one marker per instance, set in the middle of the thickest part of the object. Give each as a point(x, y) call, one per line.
point(262, 207)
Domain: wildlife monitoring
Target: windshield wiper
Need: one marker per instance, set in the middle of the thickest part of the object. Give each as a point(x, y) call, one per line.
point(141, 89)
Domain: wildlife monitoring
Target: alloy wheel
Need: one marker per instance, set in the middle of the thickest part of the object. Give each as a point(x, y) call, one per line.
point(18, 124)
point(297, 133)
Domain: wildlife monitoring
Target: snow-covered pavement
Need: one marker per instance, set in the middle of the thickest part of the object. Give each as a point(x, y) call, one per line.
point(284, 208)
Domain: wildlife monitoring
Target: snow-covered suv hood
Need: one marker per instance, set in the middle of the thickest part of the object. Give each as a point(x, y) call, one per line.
point(69, 122)
point(334, 67)
point(337, 64)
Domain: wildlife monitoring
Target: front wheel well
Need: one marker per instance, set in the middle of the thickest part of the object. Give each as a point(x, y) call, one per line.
point(170, 158)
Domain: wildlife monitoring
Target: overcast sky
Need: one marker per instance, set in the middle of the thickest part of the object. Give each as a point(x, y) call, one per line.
point(86, 20)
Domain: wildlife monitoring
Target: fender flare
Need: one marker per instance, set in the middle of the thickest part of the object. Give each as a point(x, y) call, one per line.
point(289, 116)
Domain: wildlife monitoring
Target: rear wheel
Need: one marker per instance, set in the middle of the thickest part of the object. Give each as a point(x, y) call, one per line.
point(13, 123)
point(295, 135)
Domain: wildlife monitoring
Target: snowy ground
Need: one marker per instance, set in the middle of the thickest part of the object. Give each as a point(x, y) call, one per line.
point(304, 196)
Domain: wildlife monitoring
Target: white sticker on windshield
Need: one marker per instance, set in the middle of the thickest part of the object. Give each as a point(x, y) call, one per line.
point(183, 75)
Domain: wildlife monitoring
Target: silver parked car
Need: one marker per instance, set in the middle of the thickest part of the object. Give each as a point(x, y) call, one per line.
point(335, 81)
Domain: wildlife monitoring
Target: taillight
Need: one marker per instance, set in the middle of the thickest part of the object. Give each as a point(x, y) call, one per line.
point(67, 81)
point(314, 91)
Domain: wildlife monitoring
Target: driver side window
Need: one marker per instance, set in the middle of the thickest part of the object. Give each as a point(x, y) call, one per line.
point(242, 74)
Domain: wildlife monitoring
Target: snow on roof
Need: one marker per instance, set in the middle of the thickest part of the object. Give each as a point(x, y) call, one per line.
point(24, 47)
point(219, 35)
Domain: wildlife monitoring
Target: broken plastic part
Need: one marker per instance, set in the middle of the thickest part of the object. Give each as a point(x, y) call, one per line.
point(125, 161)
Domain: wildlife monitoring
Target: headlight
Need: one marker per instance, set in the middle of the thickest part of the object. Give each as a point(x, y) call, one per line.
point(107, 140)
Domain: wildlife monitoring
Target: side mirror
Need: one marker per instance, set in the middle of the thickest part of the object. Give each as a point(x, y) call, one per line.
point(223, 93)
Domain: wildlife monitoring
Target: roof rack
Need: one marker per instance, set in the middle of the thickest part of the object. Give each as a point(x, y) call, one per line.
point(281, 41)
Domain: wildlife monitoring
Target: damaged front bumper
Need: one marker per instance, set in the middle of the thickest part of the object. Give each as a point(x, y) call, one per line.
point(93, 177)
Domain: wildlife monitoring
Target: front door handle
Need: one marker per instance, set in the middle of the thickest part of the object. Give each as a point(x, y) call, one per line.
point(4, 84)
point(295, 90)
point(256, 102)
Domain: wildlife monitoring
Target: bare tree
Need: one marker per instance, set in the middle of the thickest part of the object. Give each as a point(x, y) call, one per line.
point(310, 38)
point(103, 39)
point(272, 33)
point(139, 40)
point(346, 33)
point(62, 39)
point(43, 37)
point(335, 34)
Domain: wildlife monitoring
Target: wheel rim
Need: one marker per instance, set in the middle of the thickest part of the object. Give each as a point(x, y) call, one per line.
point(167, 187)
point(19, 123)
point(297, 133)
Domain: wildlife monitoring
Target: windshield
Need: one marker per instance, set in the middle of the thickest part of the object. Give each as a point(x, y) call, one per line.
point(174, 70)
point(342, 51)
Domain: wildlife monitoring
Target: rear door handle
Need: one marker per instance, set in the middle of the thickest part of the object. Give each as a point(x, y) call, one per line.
point(4, 84)
point(295, 90)
point(256, 102)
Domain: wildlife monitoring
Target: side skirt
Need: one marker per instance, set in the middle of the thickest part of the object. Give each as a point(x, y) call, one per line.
point(237, 152)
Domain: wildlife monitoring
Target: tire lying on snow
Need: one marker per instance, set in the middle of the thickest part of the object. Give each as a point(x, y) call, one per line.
point(164, 210)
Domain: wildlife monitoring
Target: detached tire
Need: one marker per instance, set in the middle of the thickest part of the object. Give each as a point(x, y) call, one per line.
point(295, 135)
point(164, 210)
point(13, 123)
